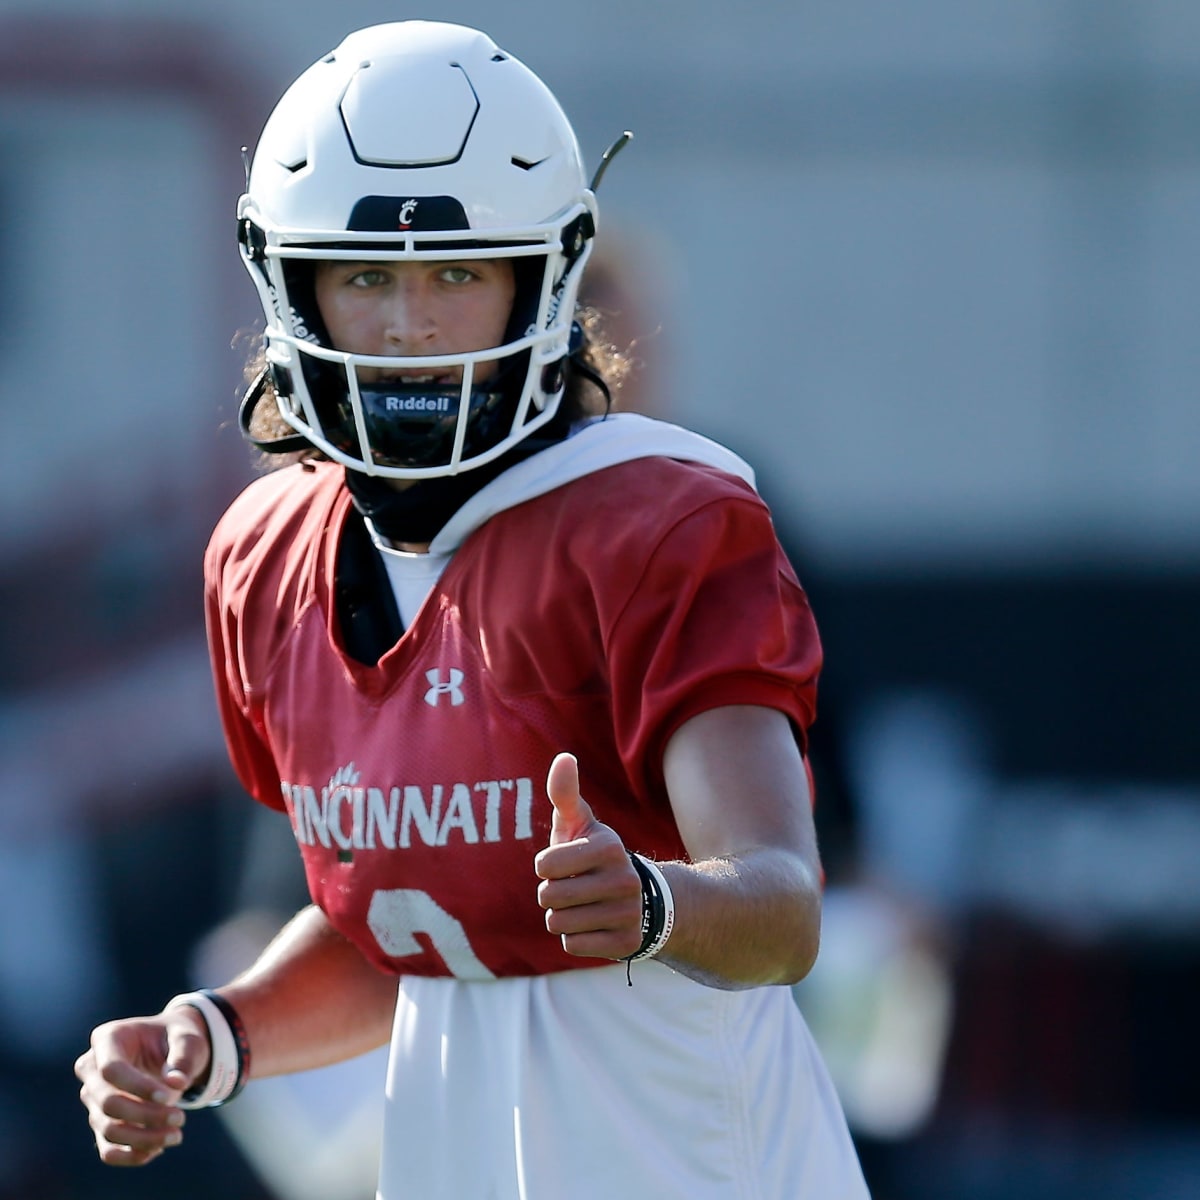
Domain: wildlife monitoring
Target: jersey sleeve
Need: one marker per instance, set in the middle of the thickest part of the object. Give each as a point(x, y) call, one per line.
point(248, 751)
point(716, 618)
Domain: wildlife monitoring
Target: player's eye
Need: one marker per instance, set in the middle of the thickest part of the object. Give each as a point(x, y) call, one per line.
point(368, 277)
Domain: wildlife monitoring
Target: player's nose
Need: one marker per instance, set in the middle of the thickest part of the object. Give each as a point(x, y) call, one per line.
point(409, 325)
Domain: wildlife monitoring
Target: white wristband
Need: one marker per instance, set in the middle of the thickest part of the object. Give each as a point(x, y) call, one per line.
point(668, 901)
point(223, 1062)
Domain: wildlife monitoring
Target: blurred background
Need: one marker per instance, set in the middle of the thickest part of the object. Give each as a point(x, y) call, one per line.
point(931, 267)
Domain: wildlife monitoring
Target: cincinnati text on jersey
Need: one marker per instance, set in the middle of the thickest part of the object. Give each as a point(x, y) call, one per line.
point(349, 816)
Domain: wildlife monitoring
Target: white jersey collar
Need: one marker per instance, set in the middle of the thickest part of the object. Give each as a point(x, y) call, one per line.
point(595, 445)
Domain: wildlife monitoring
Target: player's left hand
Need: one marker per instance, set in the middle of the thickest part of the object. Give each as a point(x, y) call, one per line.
point(590, 891)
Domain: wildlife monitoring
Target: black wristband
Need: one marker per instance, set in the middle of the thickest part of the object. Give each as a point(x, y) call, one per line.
point(240, 1038)
point(654, 910)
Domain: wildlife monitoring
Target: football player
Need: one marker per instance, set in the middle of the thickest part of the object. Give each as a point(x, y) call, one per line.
point(530, 680)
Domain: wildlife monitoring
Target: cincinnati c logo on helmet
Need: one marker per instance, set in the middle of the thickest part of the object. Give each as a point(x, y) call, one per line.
point(407, 211)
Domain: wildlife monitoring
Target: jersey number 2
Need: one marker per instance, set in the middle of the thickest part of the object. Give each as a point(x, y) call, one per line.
point(396, 915)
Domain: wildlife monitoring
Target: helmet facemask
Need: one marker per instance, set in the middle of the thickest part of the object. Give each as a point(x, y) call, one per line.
point(345, 407)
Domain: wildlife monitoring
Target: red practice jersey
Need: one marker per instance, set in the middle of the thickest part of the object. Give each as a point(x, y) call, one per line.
point(595, 618)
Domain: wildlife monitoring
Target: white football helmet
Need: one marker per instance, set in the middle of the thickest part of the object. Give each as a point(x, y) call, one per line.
point(417, 140)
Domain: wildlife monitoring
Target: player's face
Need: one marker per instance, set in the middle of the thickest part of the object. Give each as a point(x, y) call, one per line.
point(403, 309)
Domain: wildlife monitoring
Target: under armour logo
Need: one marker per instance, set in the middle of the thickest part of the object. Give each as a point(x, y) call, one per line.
point(438, 689)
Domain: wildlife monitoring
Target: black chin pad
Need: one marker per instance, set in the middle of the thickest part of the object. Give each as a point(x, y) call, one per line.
point(414, 426)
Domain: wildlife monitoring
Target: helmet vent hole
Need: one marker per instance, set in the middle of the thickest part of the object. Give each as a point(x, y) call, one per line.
point(526, 164)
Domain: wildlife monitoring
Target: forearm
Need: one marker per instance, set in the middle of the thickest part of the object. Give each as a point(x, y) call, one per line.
point(748, 908)
point(748, 903)
point(744, 920)
point(311, 999)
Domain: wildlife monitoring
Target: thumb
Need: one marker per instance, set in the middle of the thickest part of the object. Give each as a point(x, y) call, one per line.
point(189, 1054)
point(573, 816)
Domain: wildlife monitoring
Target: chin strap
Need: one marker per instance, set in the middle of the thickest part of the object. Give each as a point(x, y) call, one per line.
point(594, 378)
point(288, 444)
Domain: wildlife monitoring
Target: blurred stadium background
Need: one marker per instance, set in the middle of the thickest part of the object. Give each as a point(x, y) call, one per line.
point(931, 267)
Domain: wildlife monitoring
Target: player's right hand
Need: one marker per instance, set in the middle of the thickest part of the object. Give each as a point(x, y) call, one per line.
point(132, 1077)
